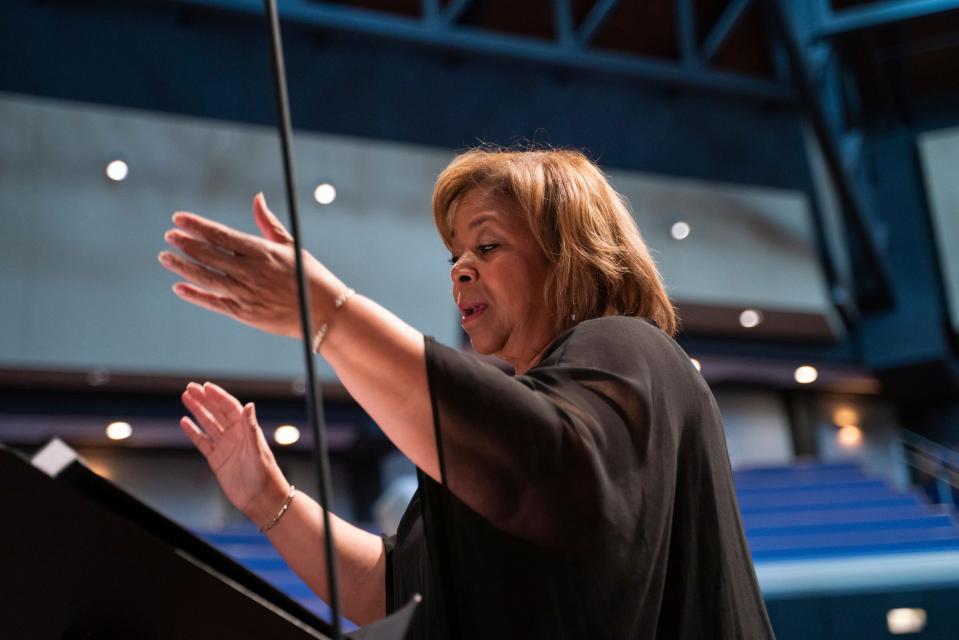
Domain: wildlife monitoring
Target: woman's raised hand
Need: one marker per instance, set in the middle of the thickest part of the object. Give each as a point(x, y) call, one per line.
point(228, 435)
point(245, 277)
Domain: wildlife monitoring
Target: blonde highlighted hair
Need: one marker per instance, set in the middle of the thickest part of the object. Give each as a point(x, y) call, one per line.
point(600, 262)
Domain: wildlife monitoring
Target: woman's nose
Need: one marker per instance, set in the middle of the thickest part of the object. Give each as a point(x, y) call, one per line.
point(463, 274)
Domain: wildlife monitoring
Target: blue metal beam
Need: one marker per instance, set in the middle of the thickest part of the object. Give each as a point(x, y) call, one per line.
point(723, 27)
point(471, 40)
point(686, 25)
point(881, 13)
point(563, 20)
point(431, 9)
point(850, 197)
point(594, 20)
point(455, 10)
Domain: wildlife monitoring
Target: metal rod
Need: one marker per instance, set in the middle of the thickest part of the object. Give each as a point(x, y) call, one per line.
point(723, 28)
point(430, 9)
point(877, 14)
point(594, 20)
point(313, 396)
point(686, 25)
point(563, 23)
point(455, 9)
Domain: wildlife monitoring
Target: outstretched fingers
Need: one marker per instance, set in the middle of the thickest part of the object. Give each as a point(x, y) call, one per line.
point(219, 235)
point(204, 253)
point(195, 402)
point(250, 422)
point(224, 405)
point(199, 439)
point(197, 273)
point(208, 300)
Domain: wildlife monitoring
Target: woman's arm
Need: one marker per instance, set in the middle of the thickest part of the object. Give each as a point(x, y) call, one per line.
point(504, 443)
point(377, 356)
point(360, 558)
point(234, 446)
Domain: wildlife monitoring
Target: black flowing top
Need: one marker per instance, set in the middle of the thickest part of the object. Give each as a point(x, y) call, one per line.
point(610, 514)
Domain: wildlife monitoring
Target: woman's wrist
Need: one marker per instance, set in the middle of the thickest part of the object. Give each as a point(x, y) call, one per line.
point(324, 290)
point(326, 302)
point(268, 502)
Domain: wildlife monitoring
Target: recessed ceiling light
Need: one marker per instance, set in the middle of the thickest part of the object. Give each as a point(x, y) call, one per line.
point(806, 374)
point(119, 430)
point(324, 193)
point(680, 230)
point(750, 318)
point(697, 364)
point(117, 170)
point(286, 434)
point(900, 621)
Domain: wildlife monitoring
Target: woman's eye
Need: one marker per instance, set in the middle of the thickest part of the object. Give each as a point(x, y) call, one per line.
point(483, 249)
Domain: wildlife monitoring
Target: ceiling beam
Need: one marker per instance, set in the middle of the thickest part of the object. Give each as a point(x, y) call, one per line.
point(442, 35)
point(852, 201)
point(686, 27)
point(455, 10)
point(878, 14)
point(723, 28)
point(594, 20)
point(563, 23)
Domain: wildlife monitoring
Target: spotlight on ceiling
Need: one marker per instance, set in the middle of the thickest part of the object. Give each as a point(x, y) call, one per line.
point(806, 374)
point(750, 318)
point(117, 170)
point(119, 430)
point(286, 434)
point(902, 621)
point(324, 193)
point(697, 364)
point(680, 230)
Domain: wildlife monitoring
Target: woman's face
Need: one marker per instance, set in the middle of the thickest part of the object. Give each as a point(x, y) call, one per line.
point(499, 274)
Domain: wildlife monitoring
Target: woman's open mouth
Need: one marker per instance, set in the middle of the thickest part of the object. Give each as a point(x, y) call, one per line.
point(472, 312)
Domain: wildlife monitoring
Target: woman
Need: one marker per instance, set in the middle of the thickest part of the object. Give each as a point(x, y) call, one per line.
point(589, 495)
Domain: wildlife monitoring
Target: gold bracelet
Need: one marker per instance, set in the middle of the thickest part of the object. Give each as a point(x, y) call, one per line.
point(321, 332)
point(286, 505)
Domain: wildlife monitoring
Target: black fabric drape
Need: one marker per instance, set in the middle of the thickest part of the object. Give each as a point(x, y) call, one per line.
point(591, 497)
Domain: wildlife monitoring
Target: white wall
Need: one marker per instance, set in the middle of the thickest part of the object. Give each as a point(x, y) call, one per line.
point(749, 246)
point(757, 428)
point(79, 279)
point(939, 154)
point(81, 288)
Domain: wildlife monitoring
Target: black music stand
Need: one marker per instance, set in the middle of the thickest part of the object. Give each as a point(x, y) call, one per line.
point(81, 558)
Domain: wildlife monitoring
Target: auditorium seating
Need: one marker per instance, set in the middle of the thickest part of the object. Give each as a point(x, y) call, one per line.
point(802, 513)
point(828, 510)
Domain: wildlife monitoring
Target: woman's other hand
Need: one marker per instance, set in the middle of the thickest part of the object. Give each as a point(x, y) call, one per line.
point(245, 277)
point(228, 435)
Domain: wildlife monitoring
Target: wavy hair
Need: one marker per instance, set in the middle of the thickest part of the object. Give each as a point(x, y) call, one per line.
point(600, 263)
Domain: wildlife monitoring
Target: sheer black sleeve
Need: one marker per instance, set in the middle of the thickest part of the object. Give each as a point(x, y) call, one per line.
point(561, 451)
